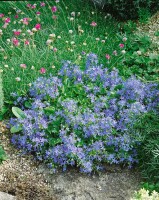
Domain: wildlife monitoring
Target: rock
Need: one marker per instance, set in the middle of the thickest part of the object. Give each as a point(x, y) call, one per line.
point(5, 196)
point(114, 183)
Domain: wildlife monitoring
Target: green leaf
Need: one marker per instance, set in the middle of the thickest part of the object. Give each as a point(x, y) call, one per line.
point(15, 129)
point(27, 104)
point(18, 112)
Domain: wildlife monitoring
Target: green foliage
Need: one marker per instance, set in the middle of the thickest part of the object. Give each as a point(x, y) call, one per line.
point(144, 15)
point(148, 153)
point(18, 112)
point(150, 186)
point(2, 155)
point(137, 59)
point(1, 93)
point(128, 9)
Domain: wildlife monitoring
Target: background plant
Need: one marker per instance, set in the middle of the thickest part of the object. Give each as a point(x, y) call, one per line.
point(1, 93)
point(129, 9)
point(148, 126)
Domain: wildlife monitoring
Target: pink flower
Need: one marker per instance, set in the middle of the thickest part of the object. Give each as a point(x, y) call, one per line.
point(29, 5)
point(38, 26)
point(54, 17)
point(1, 15)
point(5, 25)
point(25, 21)
point(55, 49)
point(16, 16)
point(42, 4)
point(17, 32)
point(54, 9)
point(107, 56)
point(33, 6)
point(93, 24)
point(23, 66)
point(38, 13)
point(115, 53)
point(26, 42)
point(15, 41)
point(121, 45)
point(7, 20)
point(42, 70)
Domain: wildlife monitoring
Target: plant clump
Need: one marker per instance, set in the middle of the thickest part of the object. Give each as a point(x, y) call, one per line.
point(83, 117)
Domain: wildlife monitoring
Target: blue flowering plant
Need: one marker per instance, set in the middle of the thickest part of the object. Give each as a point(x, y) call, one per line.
point(82, 117)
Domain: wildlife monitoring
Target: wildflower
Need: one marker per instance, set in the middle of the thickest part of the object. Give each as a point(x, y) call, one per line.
point(72, 42)
point(107, 56)
point(25, 21)
point(1, 70)
point(54, 9)
point(5, 25)
point(73, 14)
point(121, 45)
point(52, 35)
point(6, 66)
point(1, 15)
point(53, 66)
point(38, 26)
point(54, 49)
point(38, 13)
point(33, 6)
point(26, 42)
point(115, 53)
point(16, 16)
point(78, 14)
point(57, 1)
point(124, 39)
point(103, 41)
point(59, 37)
point(54, 17)
point(32, 67)
point(71, 18)
point(42, 4)
point(84, 43)
point(93, 24)
point(7, 20)
point(29, 5)
point(8, 40)
point(33, 30)
point(15, 41)
point(18, 79)
point(48, 42)
point(42, 70)
point(123, 51)
point(139, 53)
point(23, 66)
point(70, 31)
point(17, 32)
point(97, 39)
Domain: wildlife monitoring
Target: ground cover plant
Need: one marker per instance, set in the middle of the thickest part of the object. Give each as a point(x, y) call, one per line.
point(82, 117)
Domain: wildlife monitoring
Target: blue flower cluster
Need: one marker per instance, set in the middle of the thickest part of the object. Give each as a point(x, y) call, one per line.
point(62, 131)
